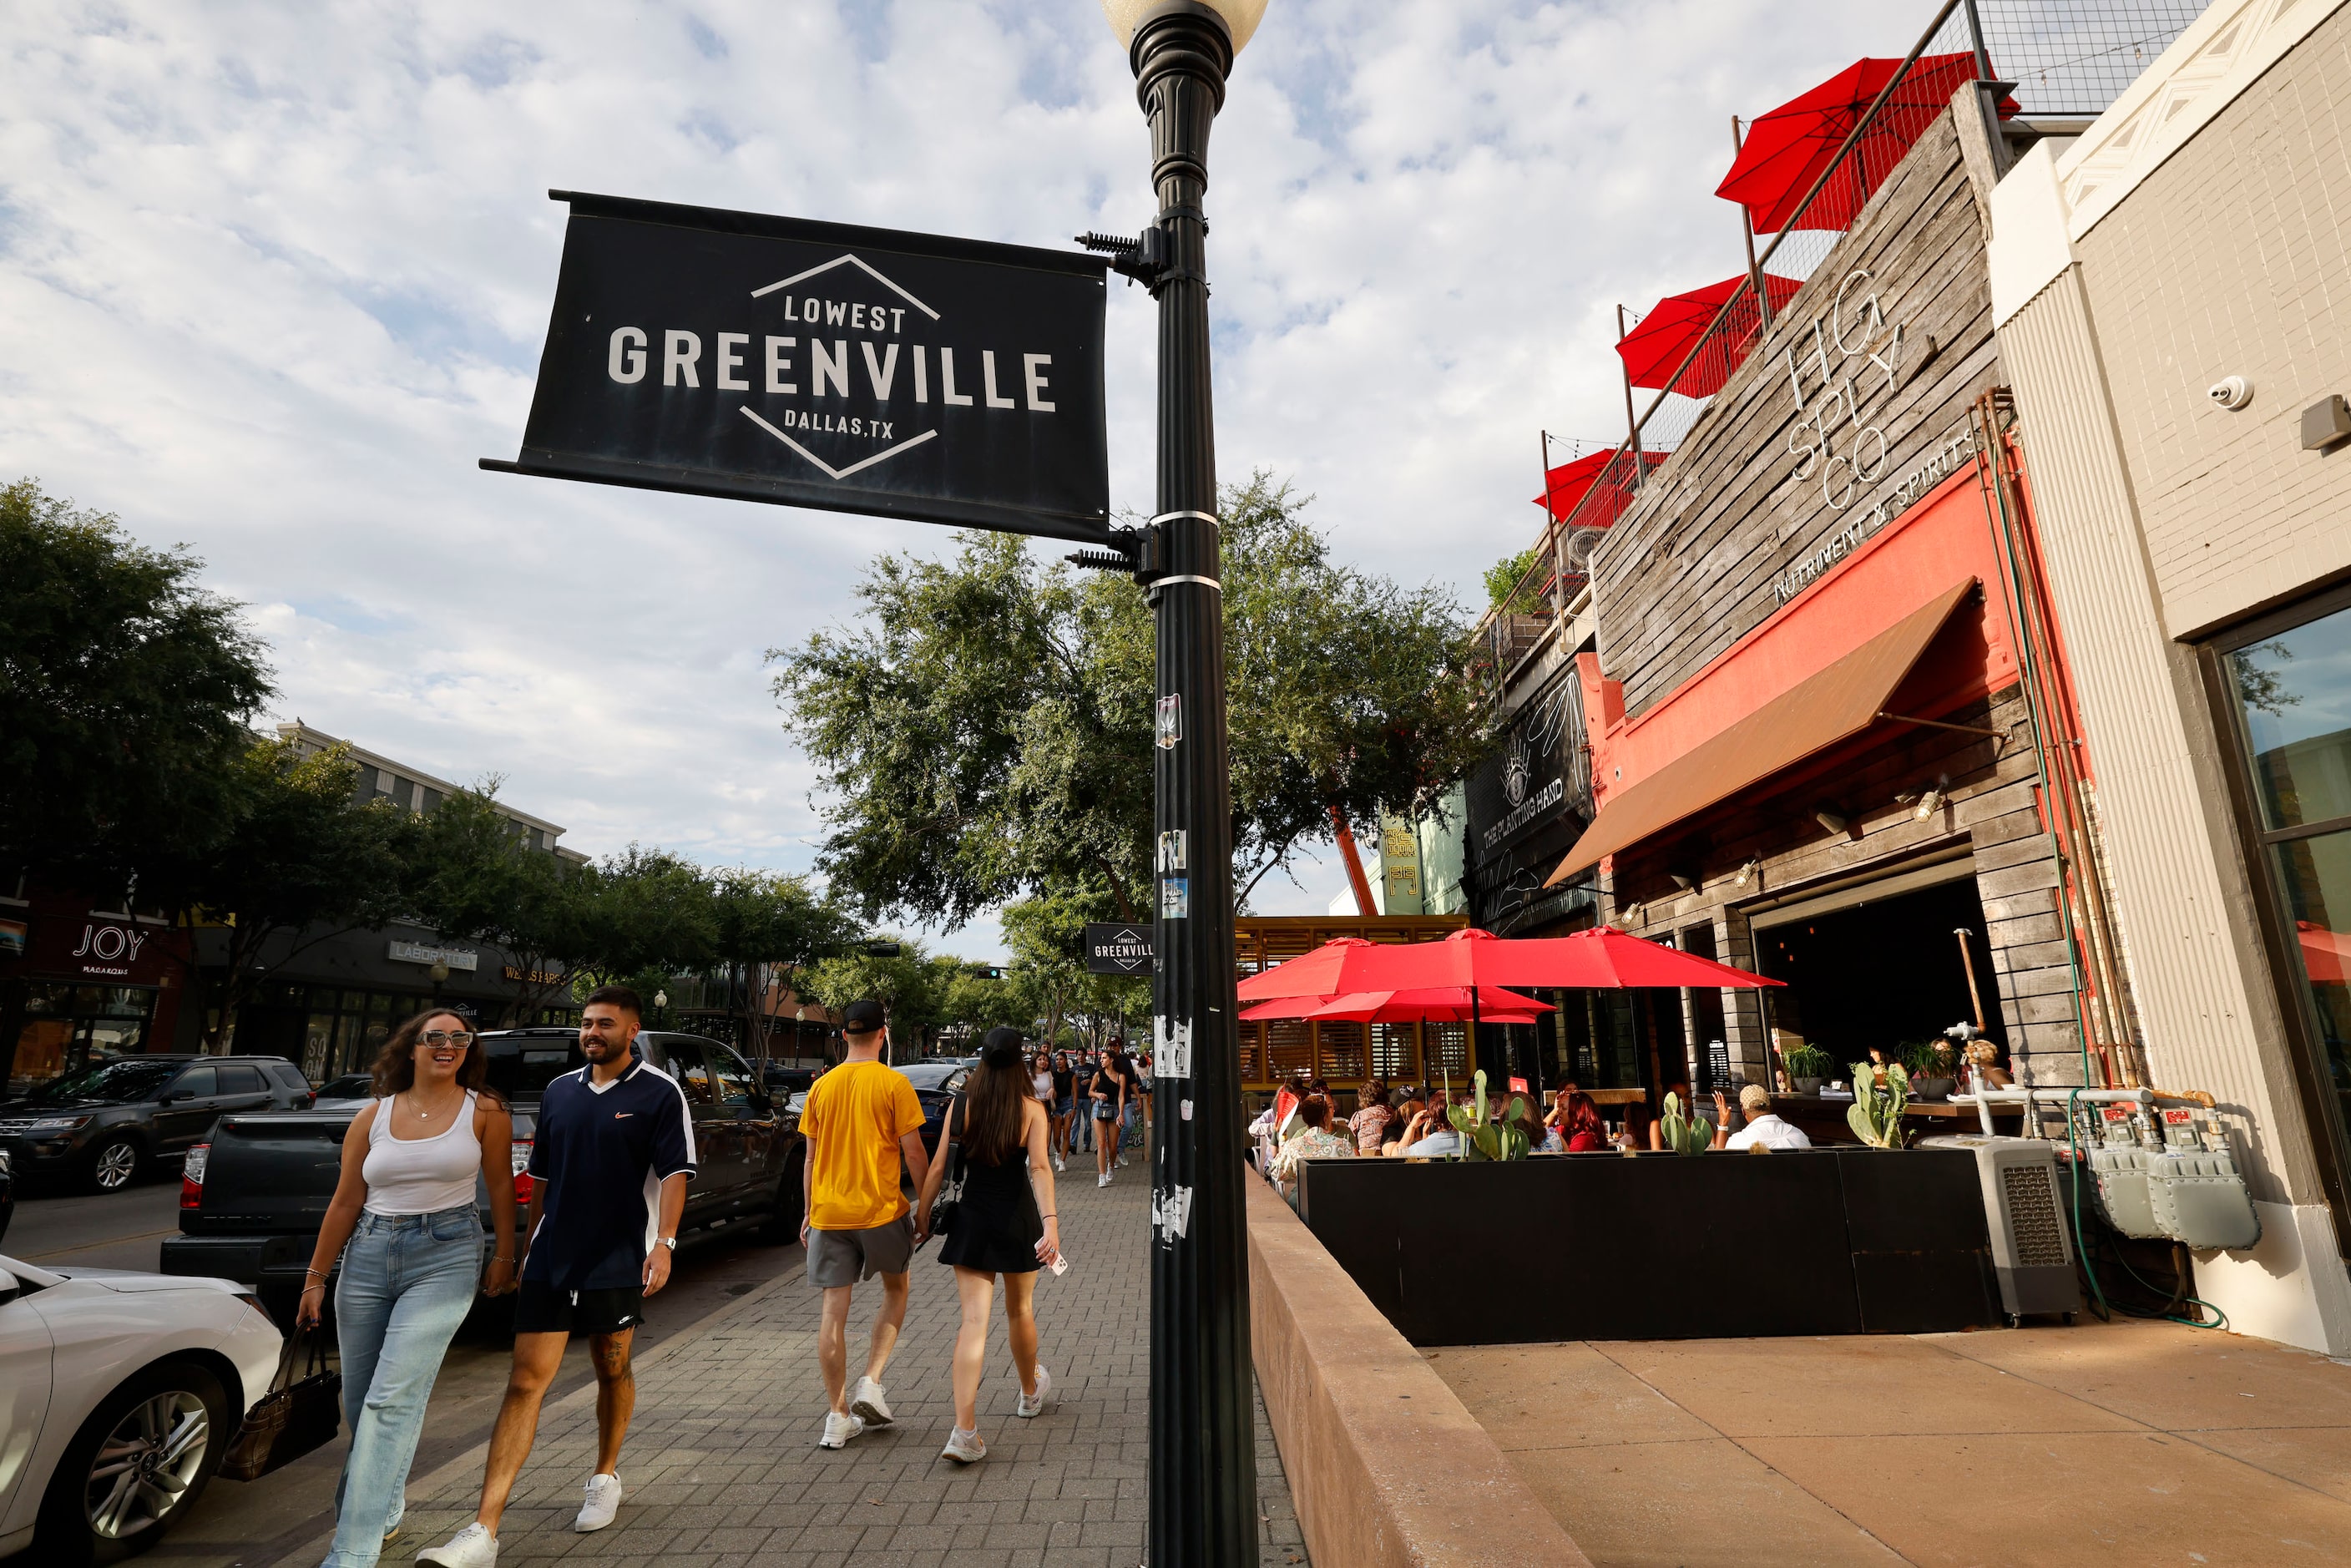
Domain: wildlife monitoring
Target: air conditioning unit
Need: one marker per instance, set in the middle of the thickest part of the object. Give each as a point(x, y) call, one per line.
point(2032, 1250)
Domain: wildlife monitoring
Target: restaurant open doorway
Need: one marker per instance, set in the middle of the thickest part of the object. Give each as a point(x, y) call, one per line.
point(1877, 972)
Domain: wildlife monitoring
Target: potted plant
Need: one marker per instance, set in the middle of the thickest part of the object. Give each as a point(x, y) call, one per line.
point(1486, 1135)
point(1930, 1065)
point(1807, 1065)
point(1880, 1094)
point(1683, 1134)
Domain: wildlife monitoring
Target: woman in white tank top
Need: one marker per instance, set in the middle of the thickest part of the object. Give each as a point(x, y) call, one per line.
point(406, 1226)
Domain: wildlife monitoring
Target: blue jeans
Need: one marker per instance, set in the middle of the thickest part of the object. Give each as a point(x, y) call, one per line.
point(407, 1282)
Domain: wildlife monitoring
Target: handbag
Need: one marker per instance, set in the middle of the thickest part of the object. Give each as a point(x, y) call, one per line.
point(950, 1196)
point(298, 1412)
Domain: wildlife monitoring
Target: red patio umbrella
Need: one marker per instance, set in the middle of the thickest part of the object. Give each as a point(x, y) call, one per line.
point(1333, 969)
point(1439, 1004)
point(1565, 486)
point(1652, 351)
point(1787, 149)
point(1602, 959)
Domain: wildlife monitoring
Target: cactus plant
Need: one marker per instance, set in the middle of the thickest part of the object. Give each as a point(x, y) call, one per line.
point(1875, 1113)
point(1485, 1136)
point(1683, 1134)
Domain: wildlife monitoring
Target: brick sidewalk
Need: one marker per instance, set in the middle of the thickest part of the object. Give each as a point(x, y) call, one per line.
point(722, 1466)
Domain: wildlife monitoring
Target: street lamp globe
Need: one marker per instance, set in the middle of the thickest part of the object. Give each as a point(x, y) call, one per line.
point(1240, 17)
point(661, 999)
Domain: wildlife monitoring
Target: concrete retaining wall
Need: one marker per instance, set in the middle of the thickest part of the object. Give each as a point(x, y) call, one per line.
point(1386, 1465)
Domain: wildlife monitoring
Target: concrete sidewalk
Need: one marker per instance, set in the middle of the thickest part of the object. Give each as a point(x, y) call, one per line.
point(722, 1466)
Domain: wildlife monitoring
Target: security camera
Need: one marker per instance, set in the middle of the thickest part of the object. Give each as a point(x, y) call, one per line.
point(2233, 393)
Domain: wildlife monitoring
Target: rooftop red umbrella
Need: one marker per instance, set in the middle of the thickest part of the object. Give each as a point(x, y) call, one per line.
point(1564, 487)
point(1789, 147)
point(1652, 351)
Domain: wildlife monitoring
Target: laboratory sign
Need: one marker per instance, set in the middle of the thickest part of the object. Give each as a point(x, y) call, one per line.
point(813, 364)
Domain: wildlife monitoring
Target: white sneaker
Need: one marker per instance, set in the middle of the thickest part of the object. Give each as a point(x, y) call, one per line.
point(838, 1430)
point(1102, 1178)
point(1033, 1405)
point(868, 1402)
point(964, 1447)
point(604, 1503)
point(472, 1547)
point(1060, 1165)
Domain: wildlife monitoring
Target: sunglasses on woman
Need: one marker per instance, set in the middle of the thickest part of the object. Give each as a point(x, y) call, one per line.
point(437, 1037)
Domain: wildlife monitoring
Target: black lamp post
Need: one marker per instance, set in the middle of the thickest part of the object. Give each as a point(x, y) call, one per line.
point(1203, 1464)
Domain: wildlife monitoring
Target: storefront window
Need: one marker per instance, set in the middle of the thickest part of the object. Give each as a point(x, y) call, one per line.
point(68, 1028)
point(2291, 691)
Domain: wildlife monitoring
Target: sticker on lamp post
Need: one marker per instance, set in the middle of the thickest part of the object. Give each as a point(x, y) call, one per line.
point(1173, 845)
point(1174, 898)
point(1170, 727)
point(1171, 1048)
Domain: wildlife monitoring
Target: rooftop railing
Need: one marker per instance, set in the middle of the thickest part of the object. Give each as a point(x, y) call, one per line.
point(2056, 59)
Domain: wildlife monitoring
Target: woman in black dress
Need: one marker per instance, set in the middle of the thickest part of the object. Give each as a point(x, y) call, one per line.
point(1005, 1224)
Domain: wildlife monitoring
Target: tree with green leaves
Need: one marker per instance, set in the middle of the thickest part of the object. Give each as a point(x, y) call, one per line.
point(765, 929)
point(652, 913)
point(473, 877)
point(125, 694)
point(910, 982)
point(300, 859)
point(1047, 936)
point(984, 727)
point(1507, 589)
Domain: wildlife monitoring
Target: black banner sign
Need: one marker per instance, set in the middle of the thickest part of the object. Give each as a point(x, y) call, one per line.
point(1119, 949)
point(1528, 802)
point(811, 364)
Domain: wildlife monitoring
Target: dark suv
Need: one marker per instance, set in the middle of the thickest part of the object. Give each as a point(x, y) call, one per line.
point(105, 1123)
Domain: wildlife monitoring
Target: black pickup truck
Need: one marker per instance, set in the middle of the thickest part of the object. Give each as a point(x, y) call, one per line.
point(252, 1198)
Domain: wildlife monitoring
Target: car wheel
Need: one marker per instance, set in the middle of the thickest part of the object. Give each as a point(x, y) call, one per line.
point(136, 1467)
point(783, 1223)
point(114, 1164)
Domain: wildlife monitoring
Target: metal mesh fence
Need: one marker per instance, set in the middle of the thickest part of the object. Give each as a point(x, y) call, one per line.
point(2070, 58)
point(2067, 58)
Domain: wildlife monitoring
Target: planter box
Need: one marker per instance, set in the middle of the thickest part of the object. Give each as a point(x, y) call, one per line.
point(1818, 1241)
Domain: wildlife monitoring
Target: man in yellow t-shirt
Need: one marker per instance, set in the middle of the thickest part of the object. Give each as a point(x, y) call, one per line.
point(861, 1120)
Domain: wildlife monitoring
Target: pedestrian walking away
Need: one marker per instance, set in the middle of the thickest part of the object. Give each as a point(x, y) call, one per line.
point(1064, 1103)
point(1004, 1223)
point(403, 1221)
point(609, 1164)
point(862, 1125)
point(1107, 1090)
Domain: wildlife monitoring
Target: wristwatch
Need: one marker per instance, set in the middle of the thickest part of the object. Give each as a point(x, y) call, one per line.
point(668, 1241)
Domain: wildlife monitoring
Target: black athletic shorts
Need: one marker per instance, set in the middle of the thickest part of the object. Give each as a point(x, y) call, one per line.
point(540, 1308)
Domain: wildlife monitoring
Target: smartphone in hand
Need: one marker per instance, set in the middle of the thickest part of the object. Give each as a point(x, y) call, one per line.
point(1060, 1264)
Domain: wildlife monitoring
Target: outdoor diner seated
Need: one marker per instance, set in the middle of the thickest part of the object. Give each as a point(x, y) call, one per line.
point(1393, 1135)
point(1763, 1129)
point(1574, 1123)
point(1372, 1119)
point(1317, 1142)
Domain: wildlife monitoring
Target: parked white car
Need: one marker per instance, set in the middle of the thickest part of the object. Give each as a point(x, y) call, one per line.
point(120, 1393)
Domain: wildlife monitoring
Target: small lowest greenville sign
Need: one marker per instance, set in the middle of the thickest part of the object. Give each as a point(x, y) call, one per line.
point(811, 364)
point(1119, 949)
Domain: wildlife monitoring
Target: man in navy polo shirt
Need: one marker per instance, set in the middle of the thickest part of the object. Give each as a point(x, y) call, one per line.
point(611, 1158)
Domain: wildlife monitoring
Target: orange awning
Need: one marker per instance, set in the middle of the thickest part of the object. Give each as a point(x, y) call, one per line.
point(1836, 703)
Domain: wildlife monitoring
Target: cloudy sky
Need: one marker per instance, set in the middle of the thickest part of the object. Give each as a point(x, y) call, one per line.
point(273, 277)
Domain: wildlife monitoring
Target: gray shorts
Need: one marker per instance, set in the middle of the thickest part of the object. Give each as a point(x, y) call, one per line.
point(838, 1258)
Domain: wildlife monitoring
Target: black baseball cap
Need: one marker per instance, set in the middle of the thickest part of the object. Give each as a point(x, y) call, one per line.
point(863, 1017)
